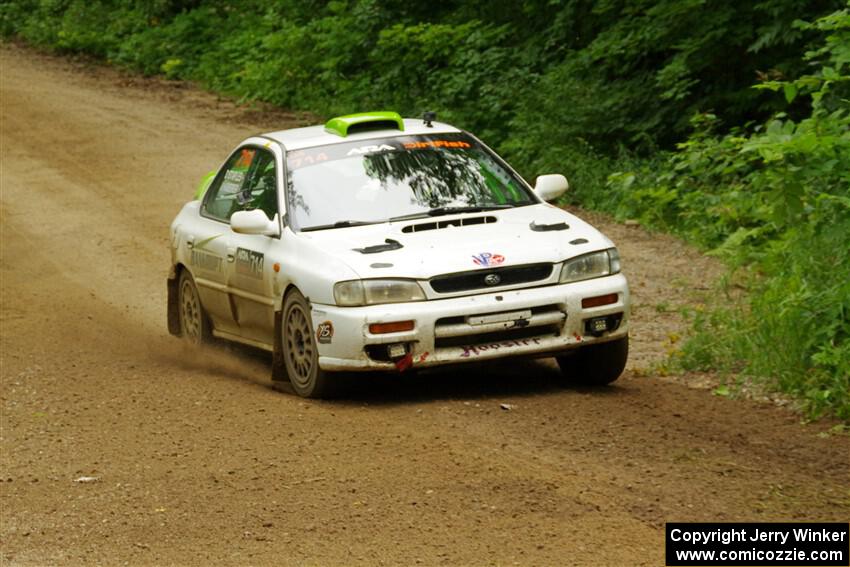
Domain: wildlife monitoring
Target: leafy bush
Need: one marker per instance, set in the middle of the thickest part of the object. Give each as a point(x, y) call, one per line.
point(776, 199)
point(580, 78)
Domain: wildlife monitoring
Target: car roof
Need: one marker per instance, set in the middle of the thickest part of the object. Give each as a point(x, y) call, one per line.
point(310, 136)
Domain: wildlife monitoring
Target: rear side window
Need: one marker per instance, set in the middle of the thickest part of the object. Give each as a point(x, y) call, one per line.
point(248, 181)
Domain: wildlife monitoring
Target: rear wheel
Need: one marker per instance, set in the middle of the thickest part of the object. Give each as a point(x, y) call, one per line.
point(300, 352)
point(596, 365)
point(194, 323)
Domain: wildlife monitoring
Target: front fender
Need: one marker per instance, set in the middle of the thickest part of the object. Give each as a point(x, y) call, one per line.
point(172, 307)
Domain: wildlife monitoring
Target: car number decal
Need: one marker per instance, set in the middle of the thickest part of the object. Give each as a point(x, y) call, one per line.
point(249, 263)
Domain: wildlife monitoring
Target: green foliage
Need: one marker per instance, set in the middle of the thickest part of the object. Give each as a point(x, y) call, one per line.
point(777, 199)
point(460, 68)
point(638, 78)
point(176, 48)
point(589, 79)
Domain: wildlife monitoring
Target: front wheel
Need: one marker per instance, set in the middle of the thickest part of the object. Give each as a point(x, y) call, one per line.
point(300, 353)
point(598, 364)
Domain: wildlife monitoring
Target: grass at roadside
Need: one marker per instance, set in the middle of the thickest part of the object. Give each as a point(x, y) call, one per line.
point(773, 200)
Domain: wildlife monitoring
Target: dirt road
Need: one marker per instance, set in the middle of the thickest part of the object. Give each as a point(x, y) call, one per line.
point(199, 461)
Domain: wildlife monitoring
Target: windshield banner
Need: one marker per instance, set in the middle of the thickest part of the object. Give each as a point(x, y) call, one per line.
point(311, 156)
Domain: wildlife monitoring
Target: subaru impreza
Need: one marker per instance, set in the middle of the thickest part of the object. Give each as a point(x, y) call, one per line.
point(376, 243)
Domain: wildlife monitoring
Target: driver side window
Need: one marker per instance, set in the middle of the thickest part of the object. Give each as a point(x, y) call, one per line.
point(248, 181)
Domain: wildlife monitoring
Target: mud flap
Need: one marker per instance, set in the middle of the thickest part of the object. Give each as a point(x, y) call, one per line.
point(278, 367)
point(172, 307)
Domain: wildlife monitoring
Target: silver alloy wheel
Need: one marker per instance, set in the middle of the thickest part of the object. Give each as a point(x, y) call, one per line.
point(190, 311)
point(298, 335)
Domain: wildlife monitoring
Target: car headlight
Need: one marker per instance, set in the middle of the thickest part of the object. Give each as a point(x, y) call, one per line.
point(594, 265)
point(372, 292)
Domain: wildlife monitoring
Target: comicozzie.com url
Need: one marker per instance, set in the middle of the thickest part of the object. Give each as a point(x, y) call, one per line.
point(803, 544)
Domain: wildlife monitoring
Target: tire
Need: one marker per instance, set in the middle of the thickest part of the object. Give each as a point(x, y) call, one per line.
point(596, 365)
point(300, 352)
point(194, 324)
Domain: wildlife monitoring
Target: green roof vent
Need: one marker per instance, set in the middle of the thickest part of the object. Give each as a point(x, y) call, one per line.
point(364, 122)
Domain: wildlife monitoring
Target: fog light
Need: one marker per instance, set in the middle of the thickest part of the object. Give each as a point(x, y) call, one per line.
point(598, 326)
point(396, 350)
point(396, 327)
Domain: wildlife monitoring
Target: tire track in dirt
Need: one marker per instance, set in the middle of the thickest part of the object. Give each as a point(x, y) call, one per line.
point(201, 462)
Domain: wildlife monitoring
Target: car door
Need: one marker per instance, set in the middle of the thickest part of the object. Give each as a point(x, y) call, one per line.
point(250, 270)
point(212, 244)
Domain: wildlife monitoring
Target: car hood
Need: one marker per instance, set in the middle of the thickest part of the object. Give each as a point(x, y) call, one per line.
point(511, 237)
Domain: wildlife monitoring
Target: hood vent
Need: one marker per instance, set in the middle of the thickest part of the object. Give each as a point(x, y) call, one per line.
point(463, 221)
point(547, 227)
point(389, 244)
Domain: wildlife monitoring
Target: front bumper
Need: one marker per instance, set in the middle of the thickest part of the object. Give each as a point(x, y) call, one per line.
point(449, 331)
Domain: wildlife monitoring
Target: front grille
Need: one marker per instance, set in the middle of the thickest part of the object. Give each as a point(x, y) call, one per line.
point(478, 279)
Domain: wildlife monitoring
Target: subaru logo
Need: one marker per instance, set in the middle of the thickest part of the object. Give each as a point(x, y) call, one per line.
point(492, 279)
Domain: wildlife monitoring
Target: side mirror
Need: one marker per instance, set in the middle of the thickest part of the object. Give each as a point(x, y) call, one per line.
point(550, 187)
point(254, 222)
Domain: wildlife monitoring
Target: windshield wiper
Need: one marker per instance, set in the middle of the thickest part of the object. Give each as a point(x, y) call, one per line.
point(440, 211)
point(338, 224)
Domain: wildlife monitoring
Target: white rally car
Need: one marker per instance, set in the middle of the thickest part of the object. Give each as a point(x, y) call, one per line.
point(376, 243)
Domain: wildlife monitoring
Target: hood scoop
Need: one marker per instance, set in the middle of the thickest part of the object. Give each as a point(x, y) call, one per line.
point(462, 221)
point(547, 227)
point(389, 244)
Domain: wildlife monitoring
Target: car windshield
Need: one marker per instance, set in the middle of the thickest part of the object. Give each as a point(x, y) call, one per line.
point(397, 178)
